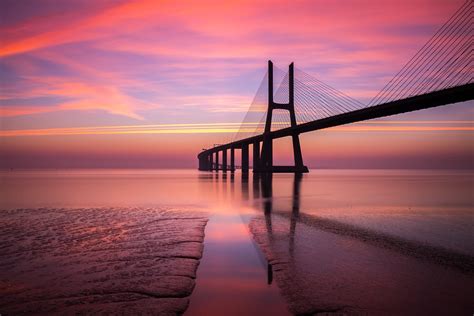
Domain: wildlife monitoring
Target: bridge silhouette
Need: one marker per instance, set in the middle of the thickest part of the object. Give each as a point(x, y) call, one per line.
point(440, 73)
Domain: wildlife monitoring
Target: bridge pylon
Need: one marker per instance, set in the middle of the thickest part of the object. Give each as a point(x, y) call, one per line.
point(266, 158)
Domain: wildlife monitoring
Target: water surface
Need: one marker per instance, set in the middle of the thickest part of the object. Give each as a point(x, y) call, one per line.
point(336, 240)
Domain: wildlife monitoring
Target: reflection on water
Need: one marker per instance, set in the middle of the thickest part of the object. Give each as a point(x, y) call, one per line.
point(327, 265)
point(384, 241)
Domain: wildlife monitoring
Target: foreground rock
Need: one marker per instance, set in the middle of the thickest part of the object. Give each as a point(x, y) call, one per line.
point(99, 260)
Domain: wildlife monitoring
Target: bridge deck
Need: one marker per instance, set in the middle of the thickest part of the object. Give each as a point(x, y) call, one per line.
point(419, 102)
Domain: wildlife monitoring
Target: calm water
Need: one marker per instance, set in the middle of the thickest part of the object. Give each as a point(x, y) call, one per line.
point(377, 241)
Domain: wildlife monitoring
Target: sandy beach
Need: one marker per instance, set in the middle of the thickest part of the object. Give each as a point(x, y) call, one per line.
point(99, 260)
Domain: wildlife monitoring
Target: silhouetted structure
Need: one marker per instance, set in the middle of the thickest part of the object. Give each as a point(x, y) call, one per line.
point(263, 162)
point(439, 74)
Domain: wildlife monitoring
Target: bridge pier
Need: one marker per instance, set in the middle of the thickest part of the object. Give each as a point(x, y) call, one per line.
point(297, 152)
point(209, 162)
point(224, 160)
point(256, 155)
point(216, 166)
point(266, 163)
point(232, 159)
point(203, 163)
point(245, 158)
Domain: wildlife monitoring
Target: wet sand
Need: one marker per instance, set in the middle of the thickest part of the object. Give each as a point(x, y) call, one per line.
point(99, 260)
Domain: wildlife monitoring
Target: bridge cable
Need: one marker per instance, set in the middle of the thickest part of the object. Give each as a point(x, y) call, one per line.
point(395, 87)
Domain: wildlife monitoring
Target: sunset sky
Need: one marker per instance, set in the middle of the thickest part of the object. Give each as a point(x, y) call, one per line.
point(148, 84)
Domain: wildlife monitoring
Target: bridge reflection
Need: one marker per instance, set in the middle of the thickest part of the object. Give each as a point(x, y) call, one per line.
point(266, 182)
point(433, 254)
point(326, 265)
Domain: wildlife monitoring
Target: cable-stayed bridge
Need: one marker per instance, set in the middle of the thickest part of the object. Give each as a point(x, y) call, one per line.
point(440, 73)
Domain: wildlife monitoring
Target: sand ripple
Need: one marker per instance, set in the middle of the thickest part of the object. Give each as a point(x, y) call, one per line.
point(98, 260)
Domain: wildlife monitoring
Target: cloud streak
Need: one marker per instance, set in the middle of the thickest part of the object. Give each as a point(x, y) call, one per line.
point(229, 127)
point(143, 53)
point(147, 68)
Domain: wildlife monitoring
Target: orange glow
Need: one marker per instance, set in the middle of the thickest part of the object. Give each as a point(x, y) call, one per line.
point(232, 232)
point(6, 111)
point(362, 128)
point(219, 128)
point(146, 79)
point(83, 30)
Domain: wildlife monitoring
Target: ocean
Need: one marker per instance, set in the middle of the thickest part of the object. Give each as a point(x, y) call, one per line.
point(331, 241)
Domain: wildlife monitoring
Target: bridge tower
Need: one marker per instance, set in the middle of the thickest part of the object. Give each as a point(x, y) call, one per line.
point(266, 159)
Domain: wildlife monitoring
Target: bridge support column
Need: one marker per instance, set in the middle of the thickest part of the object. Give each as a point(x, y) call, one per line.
point(245, 158)
point(216, 166)
point(266, 164)
point(202, 163)
point(208, 163)
point(232, 159)
point(224, 160)
point(297, 153)
point(256, 156)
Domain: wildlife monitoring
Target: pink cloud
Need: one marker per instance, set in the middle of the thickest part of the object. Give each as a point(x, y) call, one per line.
point(200, 61)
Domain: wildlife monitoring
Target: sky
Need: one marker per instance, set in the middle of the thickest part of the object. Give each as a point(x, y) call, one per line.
point(148, 84)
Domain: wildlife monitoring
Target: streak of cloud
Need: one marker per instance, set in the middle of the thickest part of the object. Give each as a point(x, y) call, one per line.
point(229, 127)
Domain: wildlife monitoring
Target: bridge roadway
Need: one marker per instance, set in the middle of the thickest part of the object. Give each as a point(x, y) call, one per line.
point(419, 102)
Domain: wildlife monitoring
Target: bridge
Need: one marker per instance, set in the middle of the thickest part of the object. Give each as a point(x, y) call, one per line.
point(440, 73)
